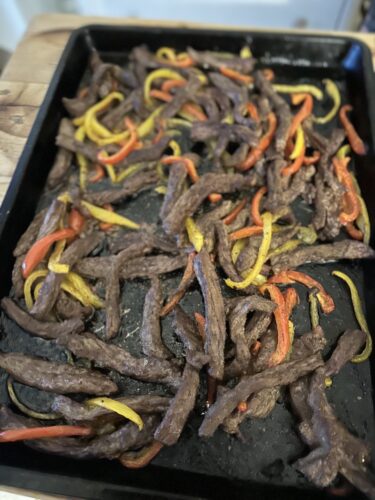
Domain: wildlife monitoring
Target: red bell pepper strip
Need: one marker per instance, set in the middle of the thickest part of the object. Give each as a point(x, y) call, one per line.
point(126, 149)
point(289, 277)
point(236, 75)
point(351, 201)
point(355, 141)
point(40, 248)
point(303, 113)
point(137, 460)
point(253, 111)
point(257, 152)
point(255, 204)
point(168, 85)
point(295, 166)
point(291, 300)
point(281, 318)
point(231, 217)
point(354, 232)
point(52, 431)
point(76, 220)
point(98, 175)
point(311, 160)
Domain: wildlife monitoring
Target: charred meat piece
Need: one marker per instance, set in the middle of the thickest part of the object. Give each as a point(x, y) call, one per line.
point(86, 345)
point(29, 236)
point(47, 330)
point(225, 258)
point(112, 300)
point(52, 218)
point(55, 377)
point(68, 308)
point(17, 278)
point(69, 143)
point(320, 254)
point(347, 347)
point(215, 331)
point(216, 60)
point(180, 408)
point(63, 158)
point(186, 330)
point(176, 185)
point(152, 343)
point(190, 201)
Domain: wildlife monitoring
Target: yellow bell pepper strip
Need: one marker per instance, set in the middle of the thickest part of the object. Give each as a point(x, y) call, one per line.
point(161, 189)
point(79, 135)
point(25, 409)
point(255, 204)
point(126, 149)
point(164, 73)
point(41, 273)
point(334, 93)
point(303, 113)
point(281, 319)
point(52, 431)
point(265, 141)
point(148, 125)
point(344, 151)
point(299, 89)
point(176, 150)
point(77, 286)
point(231, 217)
point(355, 141)
point(117, 407)
point(105, 226)
point(107, 216)
point(99, 106)
point(261, 258)
point(290, 277)
point(299, 146)
point(196, 238)
point(245, 52)
point(363, 221)
point(237, 248)
point(359, 314)
point(307, 235)
point(137, 460)
point(40, 248)
point(65, 197)
point(314, 312)
point(328, 382)
point(166, 53)
point(53, 262)
point(128, 172)
point(288, 246)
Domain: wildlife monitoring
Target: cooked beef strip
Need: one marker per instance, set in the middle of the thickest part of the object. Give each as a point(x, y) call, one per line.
point(359, 477)
point(320, 254)
point(282, 109)
point(206, 222)
point(215, 332)
point(224, 254)
point(55, 377)
point(116, 114)
point(108, 446)
point(170, 428)
point(176, 186)
point(206, 131)
point(29, 236)
point(74, 412)
point(237, 322)
point(348, 345)
point(69, 143)
point(300, 185)
point(63, 158)
point(206, 58)
point(236, 158)
point(51, 286)
point(112, 300)
point(17, 278)
point(181, 97)
point(190, 201)
point(52, 219)
point(68, 308)
point(276, 185)
point(186, 330)
point(86, 345)
point(48, 330)
point(147, 153)
point(132, 186)
point(150, 334)
point(283, 374)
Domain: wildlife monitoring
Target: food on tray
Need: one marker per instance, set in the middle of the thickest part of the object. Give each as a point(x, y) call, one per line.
point(234, 157)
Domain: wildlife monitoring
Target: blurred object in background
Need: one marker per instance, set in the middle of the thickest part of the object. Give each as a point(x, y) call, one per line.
point(309, 14)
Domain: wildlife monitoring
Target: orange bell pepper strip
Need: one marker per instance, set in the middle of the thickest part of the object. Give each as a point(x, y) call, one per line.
point(231, 217)
point(281, 318)
point(76, 220)
point(192, 172)
point(295, 166)
point(126, 149)
point(303, 113)
point(236, 75)
point(257, 152)
point(177, 296)
point(168, 85)
point(351, 201)
point(311, 160)
point(242, 406)
point(98, 175)
point(245, 232)
point(137, 460)
point(289, 277)
point(40, 248)
point(255, 204)
point(354, 232)
point(253, 111)
point(291, 300)
point(192, 110)
point(53, 431)
point(355, 141)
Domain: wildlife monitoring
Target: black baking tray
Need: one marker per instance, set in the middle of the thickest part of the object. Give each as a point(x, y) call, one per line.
point(222, 466)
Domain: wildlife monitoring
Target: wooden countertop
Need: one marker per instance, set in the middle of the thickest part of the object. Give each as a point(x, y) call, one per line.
point(25, 80)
